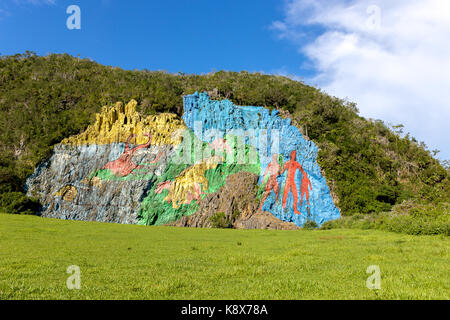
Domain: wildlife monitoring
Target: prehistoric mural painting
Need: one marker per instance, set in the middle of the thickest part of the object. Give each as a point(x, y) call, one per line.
point(124, 165)
point(157, 169)
point(273, 171)
point(291, 185)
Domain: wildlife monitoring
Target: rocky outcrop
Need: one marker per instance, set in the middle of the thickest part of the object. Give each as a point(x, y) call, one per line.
point(219, 165)
point(284, 154)
point(117, 123)
point(237, 205)
point(75, 184)
point(70, 185)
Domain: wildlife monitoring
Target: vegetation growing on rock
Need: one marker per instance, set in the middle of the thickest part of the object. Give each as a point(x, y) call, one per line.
point(369, 166)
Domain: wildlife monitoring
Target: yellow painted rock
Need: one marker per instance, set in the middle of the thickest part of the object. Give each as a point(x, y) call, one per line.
point(95, 181)
point(117, 123)
point(186, 183)
point(67, 193)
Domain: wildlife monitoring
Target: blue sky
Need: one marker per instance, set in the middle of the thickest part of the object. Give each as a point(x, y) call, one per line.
point(390, 57)
point(192, 36)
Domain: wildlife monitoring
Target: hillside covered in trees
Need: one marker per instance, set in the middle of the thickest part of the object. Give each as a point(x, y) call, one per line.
point(370, 167)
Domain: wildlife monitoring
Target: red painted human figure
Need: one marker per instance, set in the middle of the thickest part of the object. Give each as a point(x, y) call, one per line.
point(273, 170)
point(304, 187)
point(291, 166)
point(123, 166)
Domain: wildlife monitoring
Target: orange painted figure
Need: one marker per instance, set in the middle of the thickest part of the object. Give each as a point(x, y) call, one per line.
point(123, 166)
point(291, 166)
point(273, 170)
point(304, 187)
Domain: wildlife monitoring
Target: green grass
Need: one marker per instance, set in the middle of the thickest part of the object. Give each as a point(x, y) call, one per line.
point(138, 262)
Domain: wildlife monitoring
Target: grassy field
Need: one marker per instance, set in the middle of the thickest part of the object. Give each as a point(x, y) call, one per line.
point(137, 262)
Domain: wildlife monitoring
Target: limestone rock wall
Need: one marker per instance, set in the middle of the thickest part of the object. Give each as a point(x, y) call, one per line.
point(69, 188)
point(74, 184)
point(160, 169)
point(303, 191)
point(117, 123)
point(237, 201)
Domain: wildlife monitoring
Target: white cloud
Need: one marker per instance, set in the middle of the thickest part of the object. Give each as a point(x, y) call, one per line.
point(391, 57)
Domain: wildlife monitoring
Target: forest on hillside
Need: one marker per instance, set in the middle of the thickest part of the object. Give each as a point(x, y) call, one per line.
point(371, 168)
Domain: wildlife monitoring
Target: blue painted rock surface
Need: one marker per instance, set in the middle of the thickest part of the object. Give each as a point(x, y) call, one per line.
point(270, 134)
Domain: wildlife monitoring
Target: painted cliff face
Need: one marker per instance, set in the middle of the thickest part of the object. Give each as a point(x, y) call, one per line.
point(155, 170)
point(104, 173)
point(292, 187)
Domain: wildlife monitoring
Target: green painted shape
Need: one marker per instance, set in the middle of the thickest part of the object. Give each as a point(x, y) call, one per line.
point(217, 177)
point(155, 210)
